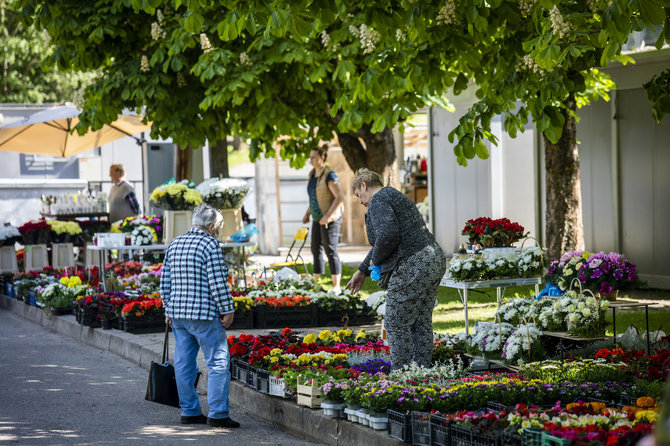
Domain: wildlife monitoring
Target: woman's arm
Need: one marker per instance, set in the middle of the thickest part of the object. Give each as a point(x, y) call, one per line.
point(336, 190)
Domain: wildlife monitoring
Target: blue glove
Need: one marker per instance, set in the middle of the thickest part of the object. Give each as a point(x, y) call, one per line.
point(376, 273)
point(549, 290)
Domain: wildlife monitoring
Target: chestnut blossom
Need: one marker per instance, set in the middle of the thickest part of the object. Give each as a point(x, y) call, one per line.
point(558, 24)
point(205, 44)
point(447, 14)
point(144, 64)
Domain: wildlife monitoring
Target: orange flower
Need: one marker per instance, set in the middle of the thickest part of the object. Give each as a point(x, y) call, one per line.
point(645, 401)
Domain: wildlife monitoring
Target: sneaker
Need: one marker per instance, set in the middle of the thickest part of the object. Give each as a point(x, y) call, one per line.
point(223, 422)
point(337, 291)
point(194, 419)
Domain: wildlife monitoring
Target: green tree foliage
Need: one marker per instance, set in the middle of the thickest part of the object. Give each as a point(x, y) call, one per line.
point(22, 79)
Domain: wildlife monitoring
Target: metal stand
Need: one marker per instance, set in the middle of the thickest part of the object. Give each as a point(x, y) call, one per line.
point(130, 248)
point(630, 304)
point(500, 285)
point(242, 246)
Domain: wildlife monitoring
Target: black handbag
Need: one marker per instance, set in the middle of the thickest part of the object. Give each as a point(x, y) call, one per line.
point(162, 385)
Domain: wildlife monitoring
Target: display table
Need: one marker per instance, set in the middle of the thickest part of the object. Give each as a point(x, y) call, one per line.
point(130, 248)
point(242, 246)
point(71, 216)
point(500, 286)
point(629, 305)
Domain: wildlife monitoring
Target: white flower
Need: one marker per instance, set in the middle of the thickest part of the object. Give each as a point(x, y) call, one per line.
point(205, 44)
point(558, 24)
point(586, 312)
point(369, 38)
point(157, 32)
point(245, 60)
point(7, 232)
point(144, 64)
point(325, 39)
point(447, 14)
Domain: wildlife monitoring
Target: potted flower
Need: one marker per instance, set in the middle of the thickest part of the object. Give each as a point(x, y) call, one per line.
point(9, 235)
point(490, 233)
point(225, 193)
point(35, 232)
point(601, 273)
point(65, 231)
point(142, 235)
point(178, 200)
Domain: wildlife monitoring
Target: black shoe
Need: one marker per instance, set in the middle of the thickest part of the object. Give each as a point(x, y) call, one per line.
point(223, 422)
point(195, 419)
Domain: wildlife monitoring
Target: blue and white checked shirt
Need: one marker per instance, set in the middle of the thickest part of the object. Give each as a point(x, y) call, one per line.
point(194, 281)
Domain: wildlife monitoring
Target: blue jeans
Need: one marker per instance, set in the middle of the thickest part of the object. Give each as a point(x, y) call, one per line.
point(191, 335)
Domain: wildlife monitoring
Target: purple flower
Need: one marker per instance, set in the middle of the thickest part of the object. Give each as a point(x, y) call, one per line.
point(596, 273)
point(605, 288)
point(618, 274)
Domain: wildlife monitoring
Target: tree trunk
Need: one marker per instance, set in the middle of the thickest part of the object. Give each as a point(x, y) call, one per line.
point(565, 229)
point(376, 151)
point(218, 159)
point(183, 162)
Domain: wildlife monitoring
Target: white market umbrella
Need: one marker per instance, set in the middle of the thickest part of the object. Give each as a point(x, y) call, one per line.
point(48, 132)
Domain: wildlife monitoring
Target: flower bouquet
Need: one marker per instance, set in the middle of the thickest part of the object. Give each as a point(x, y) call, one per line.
point(35, 232)
point(175, 196)
point(493, 233)
point(524, 345)
point(226, 193)
point(142, 235)
point(601, 273)
point(155, 222)
point(65, 231)
point(9, 235)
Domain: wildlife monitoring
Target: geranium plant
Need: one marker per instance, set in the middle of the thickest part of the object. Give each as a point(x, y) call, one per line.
point(493, 233)
point(176, 196)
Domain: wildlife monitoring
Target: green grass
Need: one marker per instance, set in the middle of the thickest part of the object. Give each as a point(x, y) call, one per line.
point(448, 316)
point(237, 157)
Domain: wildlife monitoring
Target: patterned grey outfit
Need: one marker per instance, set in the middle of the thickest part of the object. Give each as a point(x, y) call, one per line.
point(401, 241)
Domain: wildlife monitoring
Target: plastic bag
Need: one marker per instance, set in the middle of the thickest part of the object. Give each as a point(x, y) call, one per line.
point(244, 234)
point(286, 274)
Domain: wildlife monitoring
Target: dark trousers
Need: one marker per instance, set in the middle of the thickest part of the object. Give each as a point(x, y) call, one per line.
point(325, 239)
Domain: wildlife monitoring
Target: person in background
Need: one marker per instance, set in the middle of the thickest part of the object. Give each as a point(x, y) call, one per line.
point(403, 246)
point(325, 207)
point(199, 307)
point(122, 200)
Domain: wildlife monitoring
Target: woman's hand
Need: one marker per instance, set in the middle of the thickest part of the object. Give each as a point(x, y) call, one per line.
point(305, 219)
point(324, 221)
point(356, 282)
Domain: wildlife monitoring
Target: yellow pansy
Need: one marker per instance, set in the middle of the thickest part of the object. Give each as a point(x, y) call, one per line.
point(360, 335)
point(324, 335)
point(344, 333)
point(336, 338)
point(309, 339)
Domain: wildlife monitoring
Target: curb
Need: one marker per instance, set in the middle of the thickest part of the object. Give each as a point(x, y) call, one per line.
point(297, 420)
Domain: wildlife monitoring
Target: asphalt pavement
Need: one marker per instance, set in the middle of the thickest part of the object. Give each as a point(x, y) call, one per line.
point(56, 391)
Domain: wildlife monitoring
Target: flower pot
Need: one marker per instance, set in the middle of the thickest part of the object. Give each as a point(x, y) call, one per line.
point(352, 414)
point(332, 409)
point(363, 417)
point(62, 255)
point(232, 222)
point(378, 421)
point(611, 296)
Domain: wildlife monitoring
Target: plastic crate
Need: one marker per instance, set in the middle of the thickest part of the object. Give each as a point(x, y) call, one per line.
point(550, 440)
point(252, 377)
point(330, 318)
point(242, 320)
point(233, 368)
point(532, 436)
point(270, 317)
point(263, 381)
point(439, 431)
point(277, 387)
point(499, 407)
point(134, 324)
point(421, 428)
point(511, 439)
point(400, 425)
point(89, 318)
point(242, 370)
point(461, 436)
point(61, 311)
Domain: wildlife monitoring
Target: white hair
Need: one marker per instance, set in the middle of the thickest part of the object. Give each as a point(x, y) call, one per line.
point(205, 216)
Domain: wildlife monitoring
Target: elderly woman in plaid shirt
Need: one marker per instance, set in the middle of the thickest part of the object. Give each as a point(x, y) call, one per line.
point(198, 305)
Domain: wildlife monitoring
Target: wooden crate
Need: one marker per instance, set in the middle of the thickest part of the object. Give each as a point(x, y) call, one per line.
point(62, 255)
point(309, 395)
point(8, 262)
point(36, 257)
point(232, 222)
point(176, 223)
